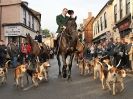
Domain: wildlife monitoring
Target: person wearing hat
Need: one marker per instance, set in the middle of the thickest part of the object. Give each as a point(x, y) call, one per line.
point(71, 14)
point(61, 20)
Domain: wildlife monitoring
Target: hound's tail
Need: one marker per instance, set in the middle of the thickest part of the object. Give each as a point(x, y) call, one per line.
point(6, 64)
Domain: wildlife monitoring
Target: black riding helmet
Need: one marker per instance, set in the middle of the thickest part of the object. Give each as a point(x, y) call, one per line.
point(70, 12)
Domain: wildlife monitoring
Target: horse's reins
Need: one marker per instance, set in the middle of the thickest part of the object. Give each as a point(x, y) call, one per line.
point(60, 41)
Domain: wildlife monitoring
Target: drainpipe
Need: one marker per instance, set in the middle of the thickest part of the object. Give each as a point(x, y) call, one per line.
point(0, 19)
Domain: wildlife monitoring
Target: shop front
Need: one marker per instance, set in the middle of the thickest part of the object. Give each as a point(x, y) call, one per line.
point(124, 26)
point(100, 38)
point(17, 34)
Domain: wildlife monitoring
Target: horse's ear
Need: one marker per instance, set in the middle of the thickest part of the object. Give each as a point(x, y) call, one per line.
point(75, 18)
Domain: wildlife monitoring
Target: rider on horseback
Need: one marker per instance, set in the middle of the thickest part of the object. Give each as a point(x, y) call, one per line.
point(38, 38)
point(61, 21)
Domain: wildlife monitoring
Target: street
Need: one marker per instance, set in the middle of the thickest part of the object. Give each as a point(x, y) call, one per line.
point(81, 87)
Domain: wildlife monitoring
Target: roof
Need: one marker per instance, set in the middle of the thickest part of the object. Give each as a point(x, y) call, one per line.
point(36, 14)
point(108, 3)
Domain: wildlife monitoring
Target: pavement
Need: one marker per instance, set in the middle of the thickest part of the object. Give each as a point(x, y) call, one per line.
point(81, 87)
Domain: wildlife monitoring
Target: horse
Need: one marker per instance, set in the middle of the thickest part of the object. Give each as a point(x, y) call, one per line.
point(66, 47)
point(37, 52)
point(80, 51)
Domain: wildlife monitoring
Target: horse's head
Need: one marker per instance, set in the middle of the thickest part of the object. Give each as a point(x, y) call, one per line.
point(71, 25)
point(28, 38)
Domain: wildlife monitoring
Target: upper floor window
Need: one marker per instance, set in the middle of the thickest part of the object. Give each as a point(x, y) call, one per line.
point(32, 22)
point(24, 16)
point(121, 8)
point(127, 6)
point(101, 23)
point(98, 27)
point(29, 20)
point(105, 20)
point(115, 13)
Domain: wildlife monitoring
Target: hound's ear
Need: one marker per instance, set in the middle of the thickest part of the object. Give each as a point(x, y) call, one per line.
point(110, 70)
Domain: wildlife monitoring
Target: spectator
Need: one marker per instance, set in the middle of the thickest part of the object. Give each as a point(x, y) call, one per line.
point(131, 53)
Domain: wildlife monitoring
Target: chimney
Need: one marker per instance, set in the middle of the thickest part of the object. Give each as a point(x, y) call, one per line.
point(89, 14)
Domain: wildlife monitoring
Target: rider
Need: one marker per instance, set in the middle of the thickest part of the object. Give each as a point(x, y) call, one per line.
point(38, 38)
point(61, 21)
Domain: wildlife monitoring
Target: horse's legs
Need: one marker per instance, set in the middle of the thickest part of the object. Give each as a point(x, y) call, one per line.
point(59, 63)
point(70, 66)
point(64, 69)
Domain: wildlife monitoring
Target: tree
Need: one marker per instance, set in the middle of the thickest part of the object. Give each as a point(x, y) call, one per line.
point(46, 33)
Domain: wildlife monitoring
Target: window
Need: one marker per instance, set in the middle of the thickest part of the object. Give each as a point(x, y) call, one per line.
point(98, 26)
point(32, 22)
point(29, 20)
point(24, 16)
point(127, 6)
point(115, 13)
point(105, 20)
point(121, 9)
point(101, 23)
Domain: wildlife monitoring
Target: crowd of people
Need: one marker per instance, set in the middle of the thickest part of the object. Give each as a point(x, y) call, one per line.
point(18, 54)
point(120, 51)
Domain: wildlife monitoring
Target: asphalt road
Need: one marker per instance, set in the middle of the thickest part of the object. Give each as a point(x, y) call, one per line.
point(81, 87)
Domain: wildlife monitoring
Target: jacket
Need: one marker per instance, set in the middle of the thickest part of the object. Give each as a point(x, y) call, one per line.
point(61, 21)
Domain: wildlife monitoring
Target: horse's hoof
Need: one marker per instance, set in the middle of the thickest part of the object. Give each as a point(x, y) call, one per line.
point(64, 75)
point(59, 76)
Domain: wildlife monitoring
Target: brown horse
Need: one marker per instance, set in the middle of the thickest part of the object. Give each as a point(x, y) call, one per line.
point(80, 51)
point(37, 51)
point(67, 45)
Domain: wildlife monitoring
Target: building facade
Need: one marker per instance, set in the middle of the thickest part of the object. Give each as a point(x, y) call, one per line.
point(17, 20)
point(115, 20)
point(88, 28)
point(123, 17)
point(103, 23)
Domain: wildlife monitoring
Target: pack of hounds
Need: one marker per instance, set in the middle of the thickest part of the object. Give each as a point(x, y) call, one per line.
point(24, 70)
point(109, 75)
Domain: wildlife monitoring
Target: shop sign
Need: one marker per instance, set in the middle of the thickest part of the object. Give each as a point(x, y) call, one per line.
point(124, 26)
point(12, 30)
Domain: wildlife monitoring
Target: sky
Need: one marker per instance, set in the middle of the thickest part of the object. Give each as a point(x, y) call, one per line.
point(51, 8)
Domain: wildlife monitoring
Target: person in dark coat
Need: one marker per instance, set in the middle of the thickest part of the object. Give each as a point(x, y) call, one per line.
point(38, 37)
point(61, 20)
point(110, 48)
point(3, 53)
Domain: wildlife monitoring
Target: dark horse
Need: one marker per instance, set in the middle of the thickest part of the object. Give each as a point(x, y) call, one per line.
point(67, 45)
point(37, 52)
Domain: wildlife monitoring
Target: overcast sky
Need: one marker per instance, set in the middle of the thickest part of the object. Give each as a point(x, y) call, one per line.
point(51, 8)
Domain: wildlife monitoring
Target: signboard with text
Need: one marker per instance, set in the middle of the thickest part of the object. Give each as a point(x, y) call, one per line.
point(12, 30)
